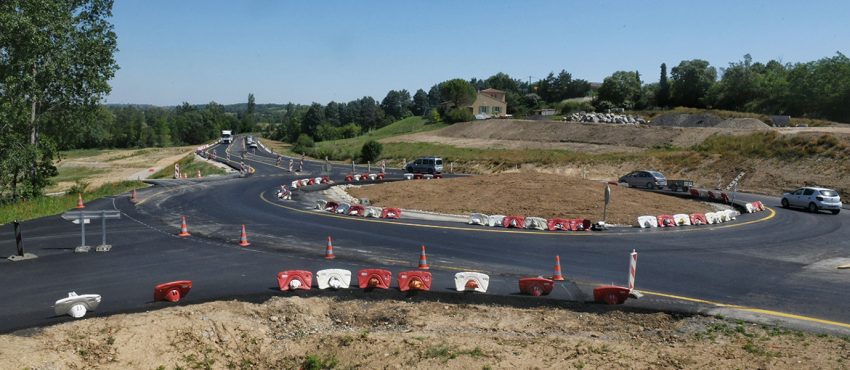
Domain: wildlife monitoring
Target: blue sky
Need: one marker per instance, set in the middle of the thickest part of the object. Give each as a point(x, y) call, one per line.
point(306, 51)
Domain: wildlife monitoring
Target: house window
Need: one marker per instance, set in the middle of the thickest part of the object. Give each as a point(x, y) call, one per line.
point(497, 109)
point(483, 109)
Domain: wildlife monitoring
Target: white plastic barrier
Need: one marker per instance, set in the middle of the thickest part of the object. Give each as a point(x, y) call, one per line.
point(750, 207)
point(295, 184)
point(682, 219)
point(372, 176)
point(343, 208)
point(317, 180)
point(356, 177)
point(712, 218)
point(535, 223)
point(320, 204)
point(495, 220)
point(75, 305)
point(731, 214)
point(427, 176)
point(373, 212)
point(478, 219)
point(471, 282)
point(647, 222)
point(305, 182)
point(408, 176)
point(333, 278)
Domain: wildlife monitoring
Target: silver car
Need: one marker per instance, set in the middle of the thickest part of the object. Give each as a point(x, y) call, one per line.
point(645, 179)
point(814, 199)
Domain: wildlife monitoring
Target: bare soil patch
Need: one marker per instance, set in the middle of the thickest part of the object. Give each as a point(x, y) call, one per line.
point(121, 164)
point(528, 194)
point(302, 333)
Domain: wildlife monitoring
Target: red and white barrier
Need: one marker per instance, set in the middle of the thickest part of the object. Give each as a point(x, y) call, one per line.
point(333, 279)
point(343, 208)
point(294, 280)
point(698, 219)
point(356, 210)
point(320, 204)
point(495, 220)
point(556, 224)
point(478, 219)
point(471, 282)
point(712, 218)
point(666, 221)
point(390, 213)
point(536, 286)
point(331, 207)
point(694, 193)
point(759, 206)
point(414, 280)
point(374, 279)
point(682, 219)
point(517, 222)
point(408, 176)
point(535, 223)
point(374, 212)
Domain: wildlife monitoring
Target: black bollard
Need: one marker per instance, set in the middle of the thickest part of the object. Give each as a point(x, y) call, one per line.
point(19, 242)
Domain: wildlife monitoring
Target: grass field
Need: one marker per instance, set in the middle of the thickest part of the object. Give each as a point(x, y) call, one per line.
point(189, 166)
point(347, 149)
point(47, 205)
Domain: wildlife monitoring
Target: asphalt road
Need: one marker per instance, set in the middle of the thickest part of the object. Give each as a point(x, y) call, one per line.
point(776, 264)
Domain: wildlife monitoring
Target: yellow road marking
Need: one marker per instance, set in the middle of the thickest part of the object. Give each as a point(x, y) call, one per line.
point(588, 233)
point(751, 309)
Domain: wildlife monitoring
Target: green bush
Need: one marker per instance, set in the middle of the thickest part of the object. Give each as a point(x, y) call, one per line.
point(371, 151)
point(303, 144)
point(572, 106)
point(459, 115)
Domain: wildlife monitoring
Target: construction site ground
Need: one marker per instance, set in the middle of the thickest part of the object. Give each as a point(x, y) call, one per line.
point(526, 193)
point(324, 332)
point(97, 167)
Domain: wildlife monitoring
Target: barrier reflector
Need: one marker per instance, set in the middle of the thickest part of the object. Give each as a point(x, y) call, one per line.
point(408, 176)
point(471, 282)
point(75, 305)
point(414, 280)
point(321, 203)
point(333, 279)
point(698, 219)
point(536, 223)
point(374, 279)
point(172, 291)
point(666, 221)
point(294, 280)
point(343, 208)
point(555, 224)
point(331, 206)
point(647, 222)
point(682, 219)
point(495, 220)
point(536, 286)
point(356, 210)
point(610, 294)
point(513, 222)
point(390, 213)
point(478, 219)
point(694, 193)
point(373, 212)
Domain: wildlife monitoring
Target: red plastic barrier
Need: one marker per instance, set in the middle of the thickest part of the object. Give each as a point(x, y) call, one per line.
point(311, 181)
point(303, 279)
point(417, 176)
point(380, 176)
point(349, 178)
point(724, 197)
point(172, 291)
point(357, 209)
point(580, 224)
point(758, 205)
point(364, 177)
point(698, 219)
point(390, 213)
point(610, 294)
point(438, 175)
point(694, 193)
point(326, 179)
point(666, 221)
point(374, 279)
point(514, 221)
point(414, 280)
point(536, 286)
point(711, 195)
point(331, 207)
point(558, 224)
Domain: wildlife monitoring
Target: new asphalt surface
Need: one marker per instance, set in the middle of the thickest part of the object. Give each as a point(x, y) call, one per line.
point(769, 266)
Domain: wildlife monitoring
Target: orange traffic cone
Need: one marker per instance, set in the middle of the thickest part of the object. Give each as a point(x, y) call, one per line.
point(184, 231)
point(243, 239)
point(423, 260)
point(80, 204)
point(557, 275)
point(329, 251)
point(133, 196)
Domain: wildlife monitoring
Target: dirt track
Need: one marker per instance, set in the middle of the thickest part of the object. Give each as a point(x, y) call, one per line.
point(283, 332)
point(528, 194)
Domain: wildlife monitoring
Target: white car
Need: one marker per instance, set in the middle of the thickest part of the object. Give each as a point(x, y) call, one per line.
point(814, 199)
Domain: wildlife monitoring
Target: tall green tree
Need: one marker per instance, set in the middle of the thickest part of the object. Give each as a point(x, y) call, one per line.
point(421, 106)
point(458, 92)
point(691, 81)
point(622, 89)
point(662, 94)
point(56, 57)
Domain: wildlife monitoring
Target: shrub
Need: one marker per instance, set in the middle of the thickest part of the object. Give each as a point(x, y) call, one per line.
point(459, 115)
point(303, 144)
point(371, 151)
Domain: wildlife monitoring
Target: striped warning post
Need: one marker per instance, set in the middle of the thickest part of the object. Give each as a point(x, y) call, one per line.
point(632, 268)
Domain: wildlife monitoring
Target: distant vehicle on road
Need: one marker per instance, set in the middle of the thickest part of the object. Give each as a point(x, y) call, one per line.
point(226, 136)
point(430, 165)
point(814, 199)
point(250, 142)
point(680, 185)
point(645, 179)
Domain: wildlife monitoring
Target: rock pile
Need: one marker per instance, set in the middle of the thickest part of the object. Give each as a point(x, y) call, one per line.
point(622, 119)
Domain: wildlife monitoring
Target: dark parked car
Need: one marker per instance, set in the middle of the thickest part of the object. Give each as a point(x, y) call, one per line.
point(645, 179)
point(430, 165)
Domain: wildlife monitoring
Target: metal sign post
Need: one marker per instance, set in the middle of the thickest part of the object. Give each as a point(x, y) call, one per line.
point(607, 200)
point(84, 217)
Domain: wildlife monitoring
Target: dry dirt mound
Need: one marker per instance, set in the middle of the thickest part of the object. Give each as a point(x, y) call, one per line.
point(319, 333)
point(743, 123)
point(527, 194)
point(686, 120)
